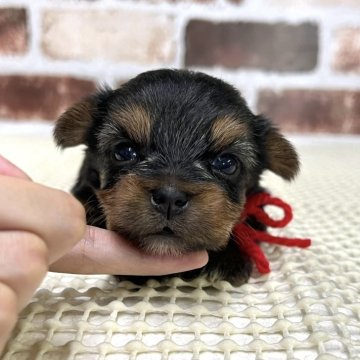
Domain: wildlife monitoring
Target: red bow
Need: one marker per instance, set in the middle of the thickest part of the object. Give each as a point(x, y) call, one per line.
point(247, 238)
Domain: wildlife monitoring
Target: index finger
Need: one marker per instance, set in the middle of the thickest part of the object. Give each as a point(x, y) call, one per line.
point(105, 252)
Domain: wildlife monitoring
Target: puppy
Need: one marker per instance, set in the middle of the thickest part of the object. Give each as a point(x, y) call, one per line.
point(170, 159)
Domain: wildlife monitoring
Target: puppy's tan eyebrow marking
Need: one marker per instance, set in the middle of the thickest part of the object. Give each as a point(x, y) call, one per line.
point(136, 121)
point(225, 130)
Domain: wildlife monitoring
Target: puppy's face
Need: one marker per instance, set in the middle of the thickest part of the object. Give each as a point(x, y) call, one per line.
point(171, 156)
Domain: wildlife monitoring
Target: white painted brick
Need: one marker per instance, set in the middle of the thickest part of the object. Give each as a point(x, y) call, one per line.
point(110, 35)
point(297, 3)
point(347, 50)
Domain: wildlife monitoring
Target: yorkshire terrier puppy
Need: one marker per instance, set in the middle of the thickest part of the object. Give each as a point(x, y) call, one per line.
point(170, 157)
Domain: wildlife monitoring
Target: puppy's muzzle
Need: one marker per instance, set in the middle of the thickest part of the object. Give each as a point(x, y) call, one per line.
point(169, 201)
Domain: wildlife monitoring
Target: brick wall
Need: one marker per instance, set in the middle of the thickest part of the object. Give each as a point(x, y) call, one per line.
point(297, 61)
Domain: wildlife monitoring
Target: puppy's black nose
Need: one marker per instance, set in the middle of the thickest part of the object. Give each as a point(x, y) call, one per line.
point(169, 201)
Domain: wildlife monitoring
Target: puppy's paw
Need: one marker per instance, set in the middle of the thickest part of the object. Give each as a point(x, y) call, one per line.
point(229, 264)
point(237, 271)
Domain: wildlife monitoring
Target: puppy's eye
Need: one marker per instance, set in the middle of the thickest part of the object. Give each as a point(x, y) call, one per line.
point(126, 153)
point(226, 163)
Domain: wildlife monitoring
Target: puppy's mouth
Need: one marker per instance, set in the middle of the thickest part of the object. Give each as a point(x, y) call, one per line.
point(166, 231)
point(164, 242)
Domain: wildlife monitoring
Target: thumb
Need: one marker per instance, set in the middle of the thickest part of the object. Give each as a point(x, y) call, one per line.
point(7, 168)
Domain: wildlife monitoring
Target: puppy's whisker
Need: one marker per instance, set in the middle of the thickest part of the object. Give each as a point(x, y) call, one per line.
point(96, 219)
point(90, 203)
point(93, 217)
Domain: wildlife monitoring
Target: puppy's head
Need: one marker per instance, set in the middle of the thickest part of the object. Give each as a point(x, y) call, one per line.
point(171, 155)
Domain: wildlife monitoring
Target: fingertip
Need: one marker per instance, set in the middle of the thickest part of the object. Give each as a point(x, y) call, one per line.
point(198, 259)
point(178, 264)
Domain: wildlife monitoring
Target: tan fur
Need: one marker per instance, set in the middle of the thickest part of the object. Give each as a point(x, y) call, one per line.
point(225, 130)
point(136, 121)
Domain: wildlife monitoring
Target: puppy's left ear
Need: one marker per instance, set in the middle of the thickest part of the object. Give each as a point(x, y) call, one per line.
point(280, 155)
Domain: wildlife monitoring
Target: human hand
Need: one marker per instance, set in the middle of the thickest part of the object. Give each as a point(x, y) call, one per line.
point(42, 227)
point(38, 225)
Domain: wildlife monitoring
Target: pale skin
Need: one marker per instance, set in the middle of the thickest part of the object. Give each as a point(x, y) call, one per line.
point(43, 229)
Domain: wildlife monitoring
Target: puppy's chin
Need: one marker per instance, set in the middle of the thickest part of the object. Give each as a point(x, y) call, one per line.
point(162, 245)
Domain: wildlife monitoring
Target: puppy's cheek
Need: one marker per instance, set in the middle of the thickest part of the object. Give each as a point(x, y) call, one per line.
point(211, 218)
point(127, 208)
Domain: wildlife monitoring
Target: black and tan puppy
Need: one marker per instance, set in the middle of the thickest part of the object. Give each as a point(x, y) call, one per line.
point(171, 156)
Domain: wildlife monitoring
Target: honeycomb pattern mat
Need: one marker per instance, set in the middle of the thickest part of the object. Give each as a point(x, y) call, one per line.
point(307, 308)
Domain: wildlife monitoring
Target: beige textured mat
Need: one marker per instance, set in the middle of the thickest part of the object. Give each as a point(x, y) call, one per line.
point(307, 308)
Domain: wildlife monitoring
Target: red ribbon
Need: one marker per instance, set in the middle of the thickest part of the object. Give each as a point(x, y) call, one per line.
point(247, 238)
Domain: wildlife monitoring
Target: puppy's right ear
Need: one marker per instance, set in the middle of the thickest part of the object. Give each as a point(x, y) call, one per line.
point(73, 125)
